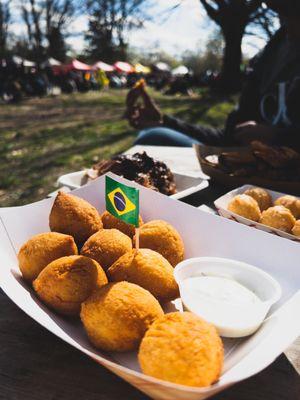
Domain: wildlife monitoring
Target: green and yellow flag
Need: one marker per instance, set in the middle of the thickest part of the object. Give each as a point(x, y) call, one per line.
point(122, 201)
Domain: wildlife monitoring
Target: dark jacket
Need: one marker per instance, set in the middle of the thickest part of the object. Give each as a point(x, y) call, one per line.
point(271, 95)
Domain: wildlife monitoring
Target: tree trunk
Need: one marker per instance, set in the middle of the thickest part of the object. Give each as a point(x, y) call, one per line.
point(232, 59)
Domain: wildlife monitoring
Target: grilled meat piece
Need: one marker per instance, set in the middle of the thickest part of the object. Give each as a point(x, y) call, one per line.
point(140, 168)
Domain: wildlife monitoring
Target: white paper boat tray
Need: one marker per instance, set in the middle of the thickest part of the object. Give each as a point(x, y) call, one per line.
point(186, 184)
point(222, 202)
point(204, 234)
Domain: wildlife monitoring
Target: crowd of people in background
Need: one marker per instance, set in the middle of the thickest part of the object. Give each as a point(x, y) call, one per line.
point(21, 78)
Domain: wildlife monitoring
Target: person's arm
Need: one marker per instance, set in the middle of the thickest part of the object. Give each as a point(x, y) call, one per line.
point(149, 115)
point(179, 125)
point(204, 134)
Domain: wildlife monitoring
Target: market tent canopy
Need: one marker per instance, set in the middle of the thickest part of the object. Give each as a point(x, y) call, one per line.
point(19, 61)
point(122, 66)
point(141, 69)
point(78, 65)
point(51, 62)
point(162, 66)
point(103, 66)
point(180, 70)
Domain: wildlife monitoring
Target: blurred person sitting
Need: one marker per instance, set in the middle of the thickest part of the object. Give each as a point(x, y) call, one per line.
point(268, 106)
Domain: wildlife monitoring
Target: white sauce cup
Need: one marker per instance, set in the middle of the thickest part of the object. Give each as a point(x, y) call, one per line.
point(263, 285)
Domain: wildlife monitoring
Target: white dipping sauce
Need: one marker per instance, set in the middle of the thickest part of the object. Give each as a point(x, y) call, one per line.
point(234, 310)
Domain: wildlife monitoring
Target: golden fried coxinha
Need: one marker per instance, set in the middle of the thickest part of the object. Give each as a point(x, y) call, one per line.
point(106, 246)
point(68, 281)
point(160, 236)
point(116, 316)
point(148, 269)
point(182, 348)
point(74, 216)
point(42, 249)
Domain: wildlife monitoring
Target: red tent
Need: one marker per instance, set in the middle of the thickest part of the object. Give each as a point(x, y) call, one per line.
point(103, 66)
point(77, 65)
point(122, 66)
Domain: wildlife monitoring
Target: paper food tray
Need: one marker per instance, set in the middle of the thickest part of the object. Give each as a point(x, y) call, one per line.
point(180, 160)
point(204, 234)
point(186, 184)
point(221, 205)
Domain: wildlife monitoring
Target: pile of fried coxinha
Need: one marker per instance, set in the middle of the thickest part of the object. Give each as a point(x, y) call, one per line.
point(118, 290)
point(257, 204)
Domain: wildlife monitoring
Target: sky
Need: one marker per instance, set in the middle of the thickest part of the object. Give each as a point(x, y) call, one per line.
point(185, 28)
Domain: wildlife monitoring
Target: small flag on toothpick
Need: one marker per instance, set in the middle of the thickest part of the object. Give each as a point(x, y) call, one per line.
point(123, 202)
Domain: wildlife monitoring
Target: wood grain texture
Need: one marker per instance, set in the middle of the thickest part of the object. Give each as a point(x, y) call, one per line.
point(36, 365)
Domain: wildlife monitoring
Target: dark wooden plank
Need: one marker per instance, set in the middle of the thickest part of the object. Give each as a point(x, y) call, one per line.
point(279, 381)
point(36, 365)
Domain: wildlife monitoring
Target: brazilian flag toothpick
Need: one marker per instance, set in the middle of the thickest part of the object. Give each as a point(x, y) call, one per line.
point(122, 201)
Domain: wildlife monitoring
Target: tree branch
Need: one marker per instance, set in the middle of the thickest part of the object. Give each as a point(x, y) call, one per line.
point(210, 10)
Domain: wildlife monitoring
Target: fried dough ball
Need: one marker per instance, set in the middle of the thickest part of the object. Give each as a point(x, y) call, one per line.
point(182, 348)
point(117, 316)
point(148, 269)
point(263, 198)
point(245, 206)
point(66, 282)
point(296, 228)
point(74, 216)
point(160, 236)
point(278, 217)
point(106, 246)
point(41, 249)
point(109, 221)
point(290, 202)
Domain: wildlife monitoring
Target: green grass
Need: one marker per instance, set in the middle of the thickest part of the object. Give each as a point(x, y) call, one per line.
point(41, 139)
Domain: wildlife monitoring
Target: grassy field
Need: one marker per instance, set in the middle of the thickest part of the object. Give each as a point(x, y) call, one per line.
point(41, 139)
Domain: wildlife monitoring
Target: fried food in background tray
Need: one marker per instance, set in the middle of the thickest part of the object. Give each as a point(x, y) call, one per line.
point(272, 162)
point(256, 204)
point(140, 168)
point(276, 157)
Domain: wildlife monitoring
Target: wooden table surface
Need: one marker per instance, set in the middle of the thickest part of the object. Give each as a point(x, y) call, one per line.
point(36, 365)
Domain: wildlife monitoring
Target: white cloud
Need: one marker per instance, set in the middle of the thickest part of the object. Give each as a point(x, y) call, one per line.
point(179, 30)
